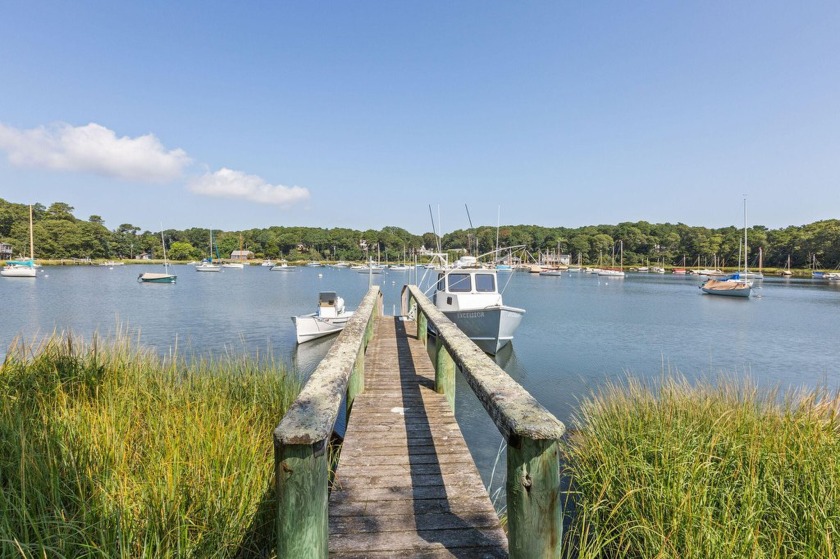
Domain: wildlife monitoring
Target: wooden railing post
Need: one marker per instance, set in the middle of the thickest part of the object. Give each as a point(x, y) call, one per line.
point(535, 514)
point(444, 372)
point(422, 327)
point(302, 495)
point(356, 384)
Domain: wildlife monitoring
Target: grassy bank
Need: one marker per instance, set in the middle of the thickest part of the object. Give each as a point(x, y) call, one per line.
point(691, 471)
point(107, 450)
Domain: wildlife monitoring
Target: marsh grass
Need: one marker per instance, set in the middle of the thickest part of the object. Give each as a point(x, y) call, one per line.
point(108, 450)
point(704, 470)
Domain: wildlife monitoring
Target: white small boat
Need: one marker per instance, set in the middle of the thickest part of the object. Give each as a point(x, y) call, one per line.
point(267, 263)
point(330, 318)
point(208, 267)
point(19, 269)
point(234, 265)
point(111, 263)
point(283, 266)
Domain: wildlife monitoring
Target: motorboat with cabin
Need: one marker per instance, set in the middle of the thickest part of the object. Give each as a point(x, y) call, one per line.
point(330, 318)
point(470, 298)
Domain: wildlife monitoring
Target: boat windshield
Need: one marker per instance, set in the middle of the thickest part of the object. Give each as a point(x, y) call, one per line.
point(485, 283)
point(460, 283)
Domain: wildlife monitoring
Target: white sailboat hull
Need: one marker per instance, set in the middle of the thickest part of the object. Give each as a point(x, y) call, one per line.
point(15, 271)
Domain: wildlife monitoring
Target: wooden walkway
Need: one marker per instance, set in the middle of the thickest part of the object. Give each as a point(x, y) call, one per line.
point(406, 485)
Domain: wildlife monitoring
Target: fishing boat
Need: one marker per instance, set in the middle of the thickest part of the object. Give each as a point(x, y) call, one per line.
point(25, 267)
point(471, 299)
point(155, 277)
point(737, 284)
point(330, 318)
point(207, 265)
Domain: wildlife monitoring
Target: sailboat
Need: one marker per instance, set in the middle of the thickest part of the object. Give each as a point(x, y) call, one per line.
point(24, 268)
point(207, 265)
point(613, 271)
point(236, 265)
point(154, 277)
point(736, 285)
point(787, 272)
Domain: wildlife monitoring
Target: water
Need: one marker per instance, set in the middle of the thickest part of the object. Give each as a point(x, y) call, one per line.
point(579, 332)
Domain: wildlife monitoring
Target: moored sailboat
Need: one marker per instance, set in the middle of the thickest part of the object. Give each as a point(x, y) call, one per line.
point(737, 284)
point(25, 267)
point(156, 277)
point(208, 265)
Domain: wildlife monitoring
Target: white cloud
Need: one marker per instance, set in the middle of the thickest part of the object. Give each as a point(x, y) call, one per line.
point(92, 148)
point(228, 183)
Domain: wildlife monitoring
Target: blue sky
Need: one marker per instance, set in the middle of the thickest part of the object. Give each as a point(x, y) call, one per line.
point(235, 115)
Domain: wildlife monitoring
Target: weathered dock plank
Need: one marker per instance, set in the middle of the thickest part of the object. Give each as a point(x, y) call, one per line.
point(406, 485)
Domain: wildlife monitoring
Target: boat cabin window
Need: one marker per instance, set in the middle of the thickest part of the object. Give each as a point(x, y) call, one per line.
point(460, 283)
point(485, 283)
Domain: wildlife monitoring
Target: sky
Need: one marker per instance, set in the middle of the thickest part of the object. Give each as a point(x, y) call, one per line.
point(240, 115)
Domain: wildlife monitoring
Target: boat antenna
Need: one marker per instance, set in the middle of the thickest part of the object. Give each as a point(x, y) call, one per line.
point(440, 235)
point(434, 231)
point(471, 228)
point(498, 219)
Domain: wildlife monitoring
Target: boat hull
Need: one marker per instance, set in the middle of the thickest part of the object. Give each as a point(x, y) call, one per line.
point(490, 328)
point(311, 326)
point(208, 268)
point(19, 272)
point(726, 288)
point(150, 277)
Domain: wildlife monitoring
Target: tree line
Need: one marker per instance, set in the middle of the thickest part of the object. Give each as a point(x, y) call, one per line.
point(60, 235)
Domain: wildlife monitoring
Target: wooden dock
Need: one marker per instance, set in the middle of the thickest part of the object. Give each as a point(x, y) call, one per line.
point(406, 485)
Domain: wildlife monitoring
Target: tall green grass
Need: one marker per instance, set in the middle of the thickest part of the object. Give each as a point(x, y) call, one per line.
point(108, 450)
point(704, 470)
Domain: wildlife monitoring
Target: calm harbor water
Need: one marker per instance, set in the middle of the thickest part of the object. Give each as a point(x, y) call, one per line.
point(579, 332)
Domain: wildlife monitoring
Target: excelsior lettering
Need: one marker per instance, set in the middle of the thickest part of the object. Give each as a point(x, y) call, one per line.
point(470, 315)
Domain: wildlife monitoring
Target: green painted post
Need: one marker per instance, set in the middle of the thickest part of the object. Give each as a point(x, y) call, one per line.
point(422, 327)
point(356, 385)
point(535, 513)
point(444, 372)
point(302, 516)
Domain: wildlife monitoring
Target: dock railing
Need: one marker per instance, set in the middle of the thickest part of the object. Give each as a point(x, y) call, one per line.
point(532, 433)
point(301, 439)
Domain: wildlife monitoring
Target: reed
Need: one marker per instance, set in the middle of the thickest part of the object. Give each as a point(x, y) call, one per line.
point(108, 450)
point(704, 470)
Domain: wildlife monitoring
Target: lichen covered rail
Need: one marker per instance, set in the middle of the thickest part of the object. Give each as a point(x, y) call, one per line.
point(301, 439)
point(532, 433)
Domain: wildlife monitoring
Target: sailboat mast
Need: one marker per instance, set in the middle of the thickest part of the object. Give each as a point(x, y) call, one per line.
point(31, 236)
point(745, 236)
